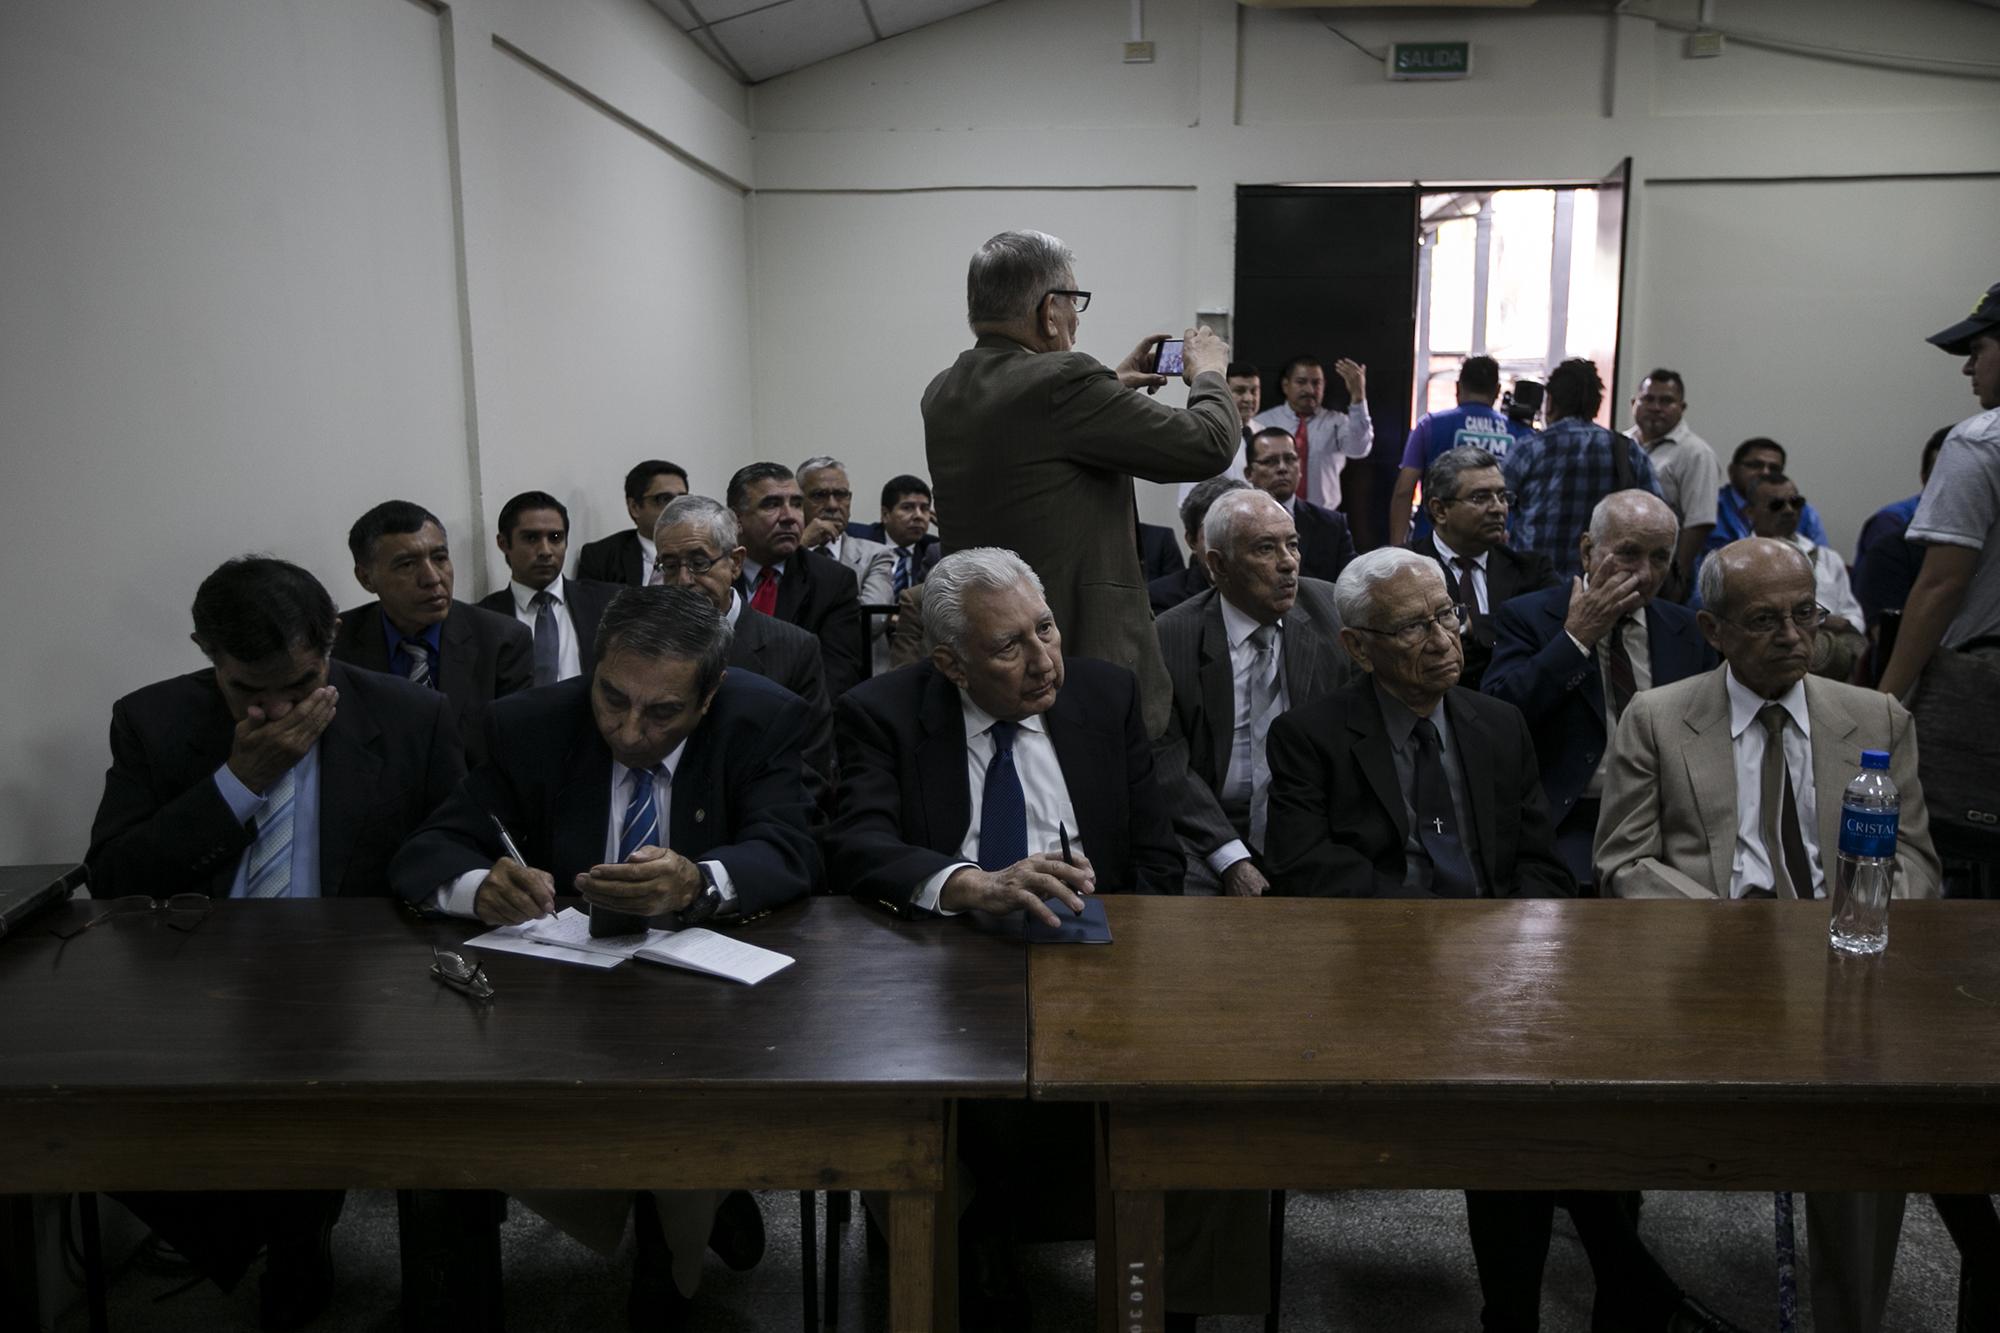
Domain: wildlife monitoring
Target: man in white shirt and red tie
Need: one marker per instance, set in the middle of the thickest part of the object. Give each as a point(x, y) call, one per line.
point(1326, 439)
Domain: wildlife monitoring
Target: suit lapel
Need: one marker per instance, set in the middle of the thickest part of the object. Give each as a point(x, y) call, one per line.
point(457, 659)
point(1475, 759)
point(635, 560)
point(581, 807)
point(1081, 751)
point(372, 644)
point(1218, 686)
point(1302, 654)
point(350, 761)
point(1710, 758)
point(692, 815)
point(1836, 757)
point(794, 587)
point(945, 792)
point(1371, 752)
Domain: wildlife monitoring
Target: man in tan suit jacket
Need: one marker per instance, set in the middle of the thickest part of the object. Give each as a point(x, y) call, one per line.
point(1684, 817)
point(1033, 446)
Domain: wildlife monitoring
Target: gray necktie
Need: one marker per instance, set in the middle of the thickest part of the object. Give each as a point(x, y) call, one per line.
point(419, 654)
point(1264, 701)
point(548, 639)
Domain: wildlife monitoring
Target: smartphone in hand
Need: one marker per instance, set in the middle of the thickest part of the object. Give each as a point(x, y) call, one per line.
point(1168, 360)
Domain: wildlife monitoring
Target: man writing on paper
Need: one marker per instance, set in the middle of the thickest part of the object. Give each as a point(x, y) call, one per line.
point(660, 786)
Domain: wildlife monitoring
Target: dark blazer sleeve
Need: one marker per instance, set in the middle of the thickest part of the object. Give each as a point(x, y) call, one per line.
point(514, 657)
point(770, 855)
point(839, 632)
point(1157, 863)
point(1301, 855)
point(155, 842)
point(603, 560)
point(1538, 871)
point(459, 835)
point(866, 851)
point(1534, 677)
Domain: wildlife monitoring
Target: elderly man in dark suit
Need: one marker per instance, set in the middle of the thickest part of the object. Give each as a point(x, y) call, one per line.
point(663, 790)
point(780, 578)
point(1570, 658)
point(1260, 641)
point(1272, 466)
point(560, 613)
point(273, 773)
point(626, 557)
point(417, 631)
point(1169, 592)
point(698, 547)
point(1466, 502)
point(1033, 447)
point(961, 778)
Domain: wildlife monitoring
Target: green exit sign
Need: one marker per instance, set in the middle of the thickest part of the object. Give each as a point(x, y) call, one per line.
point(1430, 60)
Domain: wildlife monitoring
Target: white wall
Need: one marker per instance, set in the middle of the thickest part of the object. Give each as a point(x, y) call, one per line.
point(1031, 93)
point(268, 263)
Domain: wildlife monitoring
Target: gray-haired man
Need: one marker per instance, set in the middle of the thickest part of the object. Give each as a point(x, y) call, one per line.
point(1033, 445)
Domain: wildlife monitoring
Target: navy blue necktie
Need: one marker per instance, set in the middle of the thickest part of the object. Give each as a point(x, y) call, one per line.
point(1003, 809)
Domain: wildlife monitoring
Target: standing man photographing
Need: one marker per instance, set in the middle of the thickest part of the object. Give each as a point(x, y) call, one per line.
point(1033, 446)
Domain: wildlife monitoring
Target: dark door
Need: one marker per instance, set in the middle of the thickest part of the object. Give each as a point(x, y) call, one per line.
point(1331, 271)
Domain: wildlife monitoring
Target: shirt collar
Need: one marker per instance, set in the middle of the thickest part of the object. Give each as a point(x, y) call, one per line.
point(524, 596)
point(647, 548)
point(751, 569)
point(1804, 543)
point(1396, 715)
point(978, 721)
point(665, 768)
point(1239, 626)
point(735, 608)
point(1744, 705)
point(1451, 556)
point(432, 635)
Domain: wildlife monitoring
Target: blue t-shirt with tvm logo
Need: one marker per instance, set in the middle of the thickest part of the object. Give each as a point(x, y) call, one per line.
point(1475, 424)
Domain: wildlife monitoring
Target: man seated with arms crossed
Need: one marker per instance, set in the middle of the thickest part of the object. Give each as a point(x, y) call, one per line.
point(1728, 785)
point(417, 630)
point(660, 787)
point(960, 778)
point(273, 773)
point(1571, 657)
point(1468, 503)
point(1404, 785)
point(626, 557)
point(698, 548)
point(1260, 641)
point(560, 613)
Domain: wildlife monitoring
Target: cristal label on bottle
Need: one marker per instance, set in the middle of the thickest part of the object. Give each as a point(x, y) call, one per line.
point(1868, 832)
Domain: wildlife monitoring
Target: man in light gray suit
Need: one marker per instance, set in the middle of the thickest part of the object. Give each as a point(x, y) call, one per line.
point(1229, 684)
point(1033, 446)
point(829, 506)
point(1699, 804)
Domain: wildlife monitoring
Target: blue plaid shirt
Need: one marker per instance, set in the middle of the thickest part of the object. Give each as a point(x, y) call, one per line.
point(1558, 477)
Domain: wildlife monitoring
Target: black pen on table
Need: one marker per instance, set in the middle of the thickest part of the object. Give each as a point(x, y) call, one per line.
point(1063, 834)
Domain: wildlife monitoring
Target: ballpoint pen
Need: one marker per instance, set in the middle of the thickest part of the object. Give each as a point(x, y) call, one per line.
point(1063, 834)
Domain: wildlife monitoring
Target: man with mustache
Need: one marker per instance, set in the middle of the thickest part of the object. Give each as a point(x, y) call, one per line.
point(780, 578)
point(560, 613)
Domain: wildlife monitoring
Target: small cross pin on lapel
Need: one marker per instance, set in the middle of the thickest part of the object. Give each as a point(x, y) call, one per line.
point(1437, 824)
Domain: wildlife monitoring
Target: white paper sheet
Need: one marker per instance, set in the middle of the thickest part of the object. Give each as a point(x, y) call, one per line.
point(718, 955)
point(510, 939)
point(570, 929)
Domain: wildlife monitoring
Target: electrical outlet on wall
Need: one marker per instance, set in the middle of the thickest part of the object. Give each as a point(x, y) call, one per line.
point(1701, 45)
point(1138, 53)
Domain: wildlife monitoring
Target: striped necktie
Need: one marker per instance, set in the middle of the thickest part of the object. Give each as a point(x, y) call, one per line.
point(268, 874)
point(418, 654)
point(1302, 441)
point(641, 825)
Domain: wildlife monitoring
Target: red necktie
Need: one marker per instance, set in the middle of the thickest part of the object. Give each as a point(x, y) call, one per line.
point(765, 598)
point(1300, 438)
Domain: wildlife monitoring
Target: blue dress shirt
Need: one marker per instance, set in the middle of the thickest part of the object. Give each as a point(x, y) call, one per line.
point(246, 805)
point(399, 661)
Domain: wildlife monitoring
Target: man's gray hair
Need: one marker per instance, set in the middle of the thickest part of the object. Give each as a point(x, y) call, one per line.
point(1199, 500)
point(818, 463)
point(1441, 477)
point(712, 516)
point(980, 569)
point(1218, 530)
point(1354, 591)
point(1620, 505)
point(1711, 585)
point(667, 624)
point(1011, 273)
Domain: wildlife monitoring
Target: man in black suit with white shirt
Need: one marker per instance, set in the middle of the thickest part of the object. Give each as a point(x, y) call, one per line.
point(626, 557)
point(560, 613)
point(1467, 503)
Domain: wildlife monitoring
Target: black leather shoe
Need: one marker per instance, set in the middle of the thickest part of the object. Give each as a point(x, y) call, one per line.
point(737, 1237)
point(297, 1281)
point(1691, 1316)
point(655, 1304)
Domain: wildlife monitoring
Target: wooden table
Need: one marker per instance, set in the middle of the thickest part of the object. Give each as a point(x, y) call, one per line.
point(1339, 1044)
point(304, 1045)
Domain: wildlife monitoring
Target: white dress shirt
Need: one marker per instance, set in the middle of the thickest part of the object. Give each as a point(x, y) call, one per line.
point(1046, 794)
point(1333, 438)
point(1249, 771)
point(1750, 865)
point(456, 898)
point(1451, 574)
point(1831, 585)
point(569, 660)
point(649, 552)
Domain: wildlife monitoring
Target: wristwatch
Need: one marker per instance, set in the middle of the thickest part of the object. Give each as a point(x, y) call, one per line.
point(707, 903)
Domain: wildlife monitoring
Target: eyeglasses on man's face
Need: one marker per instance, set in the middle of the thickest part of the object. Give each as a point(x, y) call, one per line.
point(1805, 617)
point(697, 563)
point(1079, 300)
point(1411, 633)
point(1484, 499)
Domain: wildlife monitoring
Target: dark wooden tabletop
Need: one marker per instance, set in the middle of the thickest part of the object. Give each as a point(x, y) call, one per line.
point(1271, 999)
point(290, 996)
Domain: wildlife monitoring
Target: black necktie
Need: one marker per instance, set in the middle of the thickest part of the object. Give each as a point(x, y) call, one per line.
point(1468, 591)
point(1437, 820)
point(1618, 666)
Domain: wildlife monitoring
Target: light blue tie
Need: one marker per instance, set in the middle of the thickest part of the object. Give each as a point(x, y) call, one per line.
point(641, 826)
point(269, 872)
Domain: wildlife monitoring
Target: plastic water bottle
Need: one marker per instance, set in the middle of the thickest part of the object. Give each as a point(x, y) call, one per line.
point(1869, 811)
